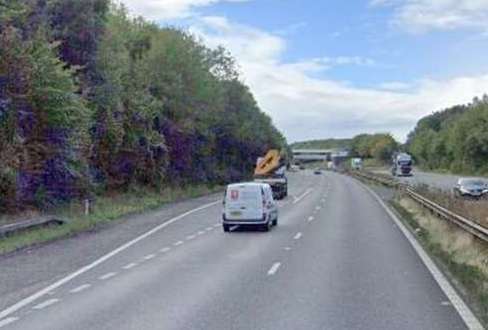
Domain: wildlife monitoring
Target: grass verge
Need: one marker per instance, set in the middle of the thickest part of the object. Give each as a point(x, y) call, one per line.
point(462, 257)
point(106, 209)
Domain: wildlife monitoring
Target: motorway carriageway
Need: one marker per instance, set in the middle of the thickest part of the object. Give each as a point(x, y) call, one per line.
point(337, 260)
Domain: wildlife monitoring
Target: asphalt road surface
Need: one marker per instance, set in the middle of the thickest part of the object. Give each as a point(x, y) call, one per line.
point(337, 260)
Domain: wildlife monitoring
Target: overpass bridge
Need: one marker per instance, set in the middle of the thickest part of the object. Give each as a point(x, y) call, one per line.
point(307, 155)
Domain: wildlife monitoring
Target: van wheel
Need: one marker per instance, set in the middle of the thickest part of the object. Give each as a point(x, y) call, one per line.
point(266, 227)
point(275, 222)
point(226, 228)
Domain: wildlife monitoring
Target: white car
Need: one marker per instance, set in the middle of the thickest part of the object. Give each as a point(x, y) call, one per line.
point(249, 204)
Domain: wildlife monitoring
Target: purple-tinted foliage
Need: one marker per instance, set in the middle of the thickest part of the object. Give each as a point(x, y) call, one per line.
point(4, 107)
point(179, 146)
point(57, 137)
point(27, 184)
point(59, 181)
point(123, 166)
point(26, 120)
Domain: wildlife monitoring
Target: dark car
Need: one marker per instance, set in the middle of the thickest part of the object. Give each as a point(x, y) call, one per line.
point(318, 171)
point(471, 188)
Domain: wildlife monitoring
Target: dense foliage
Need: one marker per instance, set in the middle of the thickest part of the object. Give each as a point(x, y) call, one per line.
point(93, 100)
point(455, 139)
point(379, 146)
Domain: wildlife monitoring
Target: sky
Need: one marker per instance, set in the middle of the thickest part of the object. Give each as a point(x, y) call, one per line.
point(335, 68)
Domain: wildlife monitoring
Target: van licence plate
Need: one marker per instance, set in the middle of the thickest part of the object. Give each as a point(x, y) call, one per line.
point(236, 213)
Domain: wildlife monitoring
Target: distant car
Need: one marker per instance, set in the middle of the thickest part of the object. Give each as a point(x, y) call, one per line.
point(471, 187)
point(249, 204)
point(318, 171)
point(302, 167)
point(294, 168)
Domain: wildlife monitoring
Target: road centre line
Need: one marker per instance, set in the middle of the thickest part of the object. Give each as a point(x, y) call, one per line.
point(28, 300)
point(274, 268)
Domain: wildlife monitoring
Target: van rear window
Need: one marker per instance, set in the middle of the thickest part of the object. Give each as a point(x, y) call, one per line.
point(243, 195)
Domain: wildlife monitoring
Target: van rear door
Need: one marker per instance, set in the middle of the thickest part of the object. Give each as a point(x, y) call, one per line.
point(244, 202)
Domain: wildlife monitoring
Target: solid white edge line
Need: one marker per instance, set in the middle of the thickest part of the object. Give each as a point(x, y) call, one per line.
point(8, 321)
point(274, 268)
point(26, 301)
point(463, 310)
point(46, 303)
point(80, 288)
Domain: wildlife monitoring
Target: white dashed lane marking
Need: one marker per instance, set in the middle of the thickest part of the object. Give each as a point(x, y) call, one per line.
point(310, 219)
point(46, 303)
point(178, 243)
point(107, 276)
point(318, 208)
point(217, 225)
point(149, 257)
point(129, 266)
point(297, 236)
point(209, 228)
point(80, 288)
point(190, 237)
point(274, 268)
point(8, 321)
point(201, 232)
point(165, 249)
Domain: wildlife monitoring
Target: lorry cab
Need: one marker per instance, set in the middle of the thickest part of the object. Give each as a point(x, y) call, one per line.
point(249, 204)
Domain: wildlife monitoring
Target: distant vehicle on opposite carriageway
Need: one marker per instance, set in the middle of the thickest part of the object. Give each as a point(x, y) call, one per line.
point(402, 164)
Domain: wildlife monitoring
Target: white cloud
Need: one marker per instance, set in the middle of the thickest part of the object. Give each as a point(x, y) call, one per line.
point(306, 107)
point(168, 9)
point(425, 15)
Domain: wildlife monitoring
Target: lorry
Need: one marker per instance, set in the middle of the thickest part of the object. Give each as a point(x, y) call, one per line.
point(356, 164)
point(271, 169)
point(401, 164)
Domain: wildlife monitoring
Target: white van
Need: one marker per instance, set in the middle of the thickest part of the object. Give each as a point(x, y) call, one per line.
point(249, 204)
